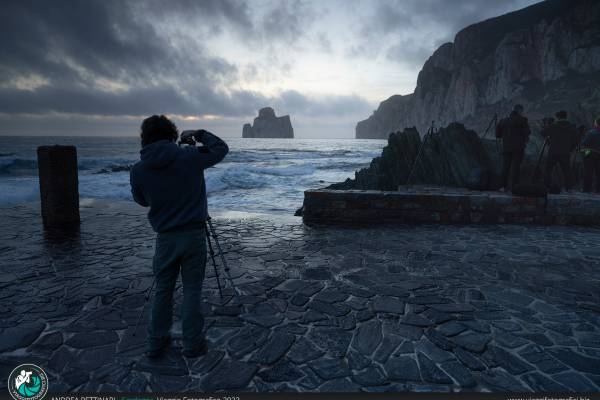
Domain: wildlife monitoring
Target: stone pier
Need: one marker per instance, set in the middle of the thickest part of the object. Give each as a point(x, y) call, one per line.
point(437, 205)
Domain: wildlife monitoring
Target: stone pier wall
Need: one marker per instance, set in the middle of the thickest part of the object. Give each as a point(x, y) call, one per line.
point(446, 206)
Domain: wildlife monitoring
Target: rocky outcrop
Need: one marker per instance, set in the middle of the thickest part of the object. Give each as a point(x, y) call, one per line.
point(447, 159)
point(268, 125)
point(546, 57)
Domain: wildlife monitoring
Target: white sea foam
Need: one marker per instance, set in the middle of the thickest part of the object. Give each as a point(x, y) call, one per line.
point(256, 176)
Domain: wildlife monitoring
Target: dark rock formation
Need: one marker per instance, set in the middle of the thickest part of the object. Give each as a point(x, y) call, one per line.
point(546, 56)
point(447, 159)
point(267, 125)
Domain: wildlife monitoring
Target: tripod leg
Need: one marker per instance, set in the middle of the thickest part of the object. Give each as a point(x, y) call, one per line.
point(214, 263)
point(223, 260)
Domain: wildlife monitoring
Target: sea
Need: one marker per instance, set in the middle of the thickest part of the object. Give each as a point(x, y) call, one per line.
point(267, 176)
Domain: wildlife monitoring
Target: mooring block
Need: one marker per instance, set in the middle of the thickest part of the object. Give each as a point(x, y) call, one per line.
point(59, 185)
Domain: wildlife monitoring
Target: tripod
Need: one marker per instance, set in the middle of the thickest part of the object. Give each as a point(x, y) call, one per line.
point(211, 235)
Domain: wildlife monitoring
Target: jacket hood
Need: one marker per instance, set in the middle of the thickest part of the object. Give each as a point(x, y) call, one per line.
point(159, 154)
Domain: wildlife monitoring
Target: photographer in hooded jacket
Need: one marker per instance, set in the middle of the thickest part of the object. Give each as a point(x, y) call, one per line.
point(170, 181)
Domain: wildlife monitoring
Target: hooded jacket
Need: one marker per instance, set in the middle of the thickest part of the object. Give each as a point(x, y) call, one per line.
point(562, 137)
point(170, 180)
point(514, 131)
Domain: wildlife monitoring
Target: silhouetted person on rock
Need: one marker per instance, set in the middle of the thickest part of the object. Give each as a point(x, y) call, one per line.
point(562, 140)
point(514, 131)
point(590, 147)
point(170, 180)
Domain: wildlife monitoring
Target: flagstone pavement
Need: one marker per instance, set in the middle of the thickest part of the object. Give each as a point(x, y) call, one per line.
point(405, 308)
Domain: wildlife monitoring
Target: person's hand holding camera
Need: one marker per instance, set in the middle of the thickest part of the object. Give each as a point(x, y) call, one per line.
point(192, 136)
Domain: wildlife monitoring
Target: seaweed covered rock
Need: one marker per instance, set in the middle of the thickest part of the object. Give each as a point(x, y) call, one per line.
point(448, 158)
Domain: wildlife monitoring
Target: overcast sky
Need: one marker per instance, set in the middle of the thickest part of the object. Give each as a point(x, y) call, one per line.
point(99, 67)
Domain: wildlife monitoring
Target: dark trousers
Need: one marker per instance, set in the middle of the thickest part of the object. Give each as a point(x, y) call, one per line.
point(591, 170)
point(564, 161)
point(511, 167)
point(185, 250)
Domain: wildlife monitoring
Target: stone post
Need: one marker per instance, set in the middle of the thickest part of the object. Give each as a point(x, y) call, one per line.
point(59, 185)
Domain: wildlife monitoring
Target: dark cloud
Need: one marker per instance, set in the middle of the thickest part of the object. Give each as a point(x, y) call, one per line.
point(408, 31)
point(122, 59)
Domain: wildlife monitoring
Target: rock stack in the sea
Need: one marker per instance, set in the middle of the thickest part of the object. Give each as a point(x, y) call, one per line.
point(546, 57)
point(448, 158)
point(268, 125)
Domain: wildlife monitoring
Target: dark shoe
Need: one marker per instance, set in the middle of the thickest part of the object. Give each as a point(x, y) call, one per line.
point(197, 351)
point(159, 351)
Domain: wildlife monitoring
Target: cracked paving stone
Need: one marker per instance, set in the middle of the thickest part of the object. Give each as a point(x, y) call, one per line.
point(313, 316)
point(229, 374)
point(75, 377)
point(437, 317)
point(451, 328)
point(265, 321)
point(469, 359)
point(339, 385)
point(357, 361)
point(507, 340)
point(304, 350)
point(247, 340)
point(402, 368)
point(283, 371)
point(367, 337)
point(20, 336)
point(311, 288)
point(347, 322)
point(459, 373)
point(416, 320)
point(172, 363)
point(477, 326)
point(430, 372)
point(575, 382)
point(168, 383)
point(541, 359)
point(292, 328)
point(318, 273)
point(84, 340)
point(540, 383)
point(501, 381)
point(334, 340)
point(372, 376)
point(47, 343)
point(577, 361)
point(538, 338)
point(389, 343)
point(588, 339)
point(358, 292)
point(509, 362)
point(330, 368)
point(474, 342)
point(311, 380)
point(331, 295)
point(407, 331)
point(453, 307)
point(388, 305)
point(299, 299)
point(207, 362)
point(439, 339)
point(273, 349)
point(335, 310)
point(432, 351)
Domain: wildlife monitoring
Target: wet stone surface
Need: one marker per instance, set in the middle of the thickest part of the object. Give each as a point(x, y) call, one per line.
point(403, 308)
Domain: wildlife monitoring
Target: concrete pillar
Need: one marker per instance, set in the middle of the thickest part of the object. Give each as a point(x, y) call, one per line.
point(59, 185)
